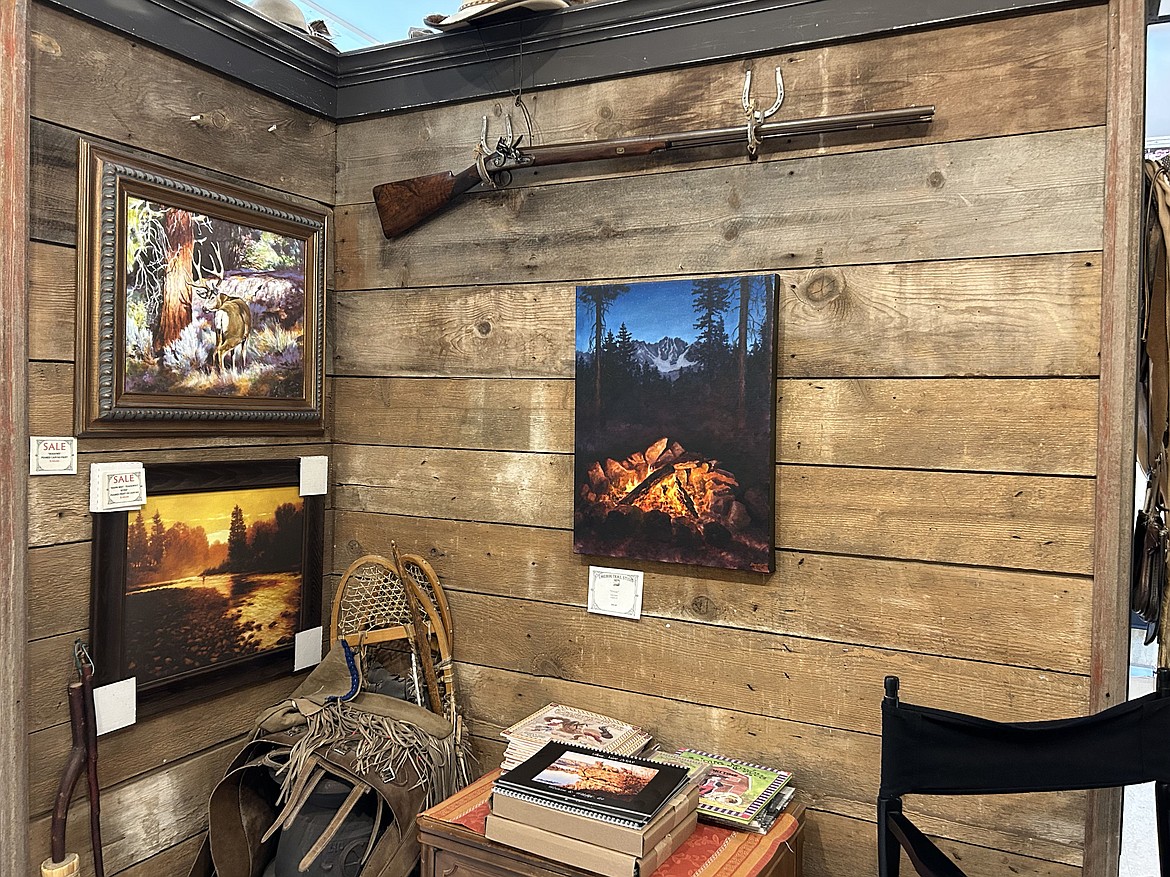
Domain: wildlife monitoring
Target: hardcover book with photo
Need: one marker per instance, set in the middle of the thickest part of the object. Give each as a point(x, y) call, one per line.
point(620, 787)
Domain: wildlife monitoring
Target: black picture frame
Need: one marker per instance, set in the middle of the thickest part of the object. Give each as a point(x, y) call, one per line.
point(109, 618)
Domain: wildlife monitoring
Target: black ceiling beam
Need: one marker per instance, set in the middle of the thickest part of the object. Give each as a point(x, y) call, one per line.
point(600, 40)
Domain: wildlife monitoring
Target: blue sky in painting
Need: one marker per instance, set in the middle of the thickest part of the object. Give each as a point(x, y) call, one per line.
point(653, 311)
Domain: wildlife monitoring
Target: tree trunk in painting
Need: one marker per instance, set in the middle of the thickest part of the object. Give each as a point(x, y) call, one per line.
point(598, 326)
point(745, 295)
point(176, 306)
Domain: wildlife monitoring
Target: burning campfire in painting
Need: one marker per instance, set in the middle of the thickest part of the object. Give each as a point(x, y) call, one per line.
point(675, 438)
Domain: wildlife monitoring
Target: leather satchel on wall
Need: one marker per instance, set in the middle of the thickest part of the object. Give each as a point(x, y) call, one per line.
point(393, 757)
point(1151, 538)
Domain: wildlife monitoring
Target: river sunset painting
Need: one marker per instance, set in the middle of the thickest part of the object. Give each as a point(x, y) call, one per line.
point(211, 577)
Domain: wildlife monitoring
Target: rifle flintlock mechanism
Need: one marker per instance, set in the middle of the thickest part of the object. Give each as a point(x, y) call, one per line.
point(406, 203)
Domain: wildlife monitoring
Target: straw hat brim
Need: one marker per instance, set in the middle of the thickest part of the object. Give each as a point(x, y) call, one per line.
point(471, 11)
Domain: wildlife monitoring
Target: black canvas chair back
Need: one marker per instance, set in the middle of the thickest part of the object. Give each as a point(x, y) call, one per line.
point(936, 752)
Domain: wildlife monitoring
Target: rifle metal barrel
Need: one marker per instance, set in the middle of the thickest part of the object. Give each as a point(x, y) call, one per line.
point(817, 125)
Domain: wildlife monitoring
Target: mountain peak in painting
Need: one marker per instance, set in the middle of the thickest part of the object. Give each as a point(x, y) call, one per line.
point(668, 356)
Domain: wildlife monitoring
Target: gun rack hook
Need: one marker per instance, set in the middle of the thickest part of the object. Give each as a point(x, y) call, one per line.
point(756, 116)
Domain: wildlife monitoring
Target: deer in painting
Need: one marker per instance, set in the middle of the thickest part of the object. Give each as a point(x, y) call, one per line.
point(231, 316)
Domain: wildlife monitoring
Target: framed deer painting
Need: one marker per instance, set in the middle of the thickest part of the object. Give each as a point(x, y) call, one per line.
point(200, 304)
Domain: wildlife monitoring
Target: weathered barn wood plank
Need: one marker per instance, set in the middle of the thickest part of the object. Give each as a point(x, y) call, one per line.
point(59, 508)
point(1033, 426)
point(1002, 616)
point(524, 331)
point(52, 171)
point(52, 301)
point(811, 681)
point(971, 73)
point(53, 176)
point(1029, 522)
point(515, 415)
point(993, 520)
point(142, 817)
point(155, 742)
point(1006, 317)
point(14, 231)
point(1035, 193)
point(173, 860)
point(59, 505)
point(838, 846)
point(58, 589)
point(530, 489)
point(139, 95)
point(835, 770)
point(1011, 425)
point(1034, 315)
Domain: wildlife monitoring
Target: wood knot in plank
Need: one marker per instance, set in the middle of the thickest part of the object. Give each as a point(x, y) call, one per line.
point(702, 605)
point(821, 286)
point(42, 42)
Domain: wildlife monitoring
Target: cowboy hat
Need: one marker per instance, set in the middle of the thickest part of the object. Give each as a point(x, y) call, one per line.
point(470, 10)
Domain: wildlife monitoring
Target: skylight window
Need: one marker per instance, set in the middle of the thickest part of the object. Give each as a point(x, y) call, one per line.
point(357, 24)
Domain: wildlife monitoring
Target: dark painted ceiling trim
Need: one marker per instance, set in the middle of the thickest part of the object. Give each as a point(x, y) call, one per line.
point(597, 41)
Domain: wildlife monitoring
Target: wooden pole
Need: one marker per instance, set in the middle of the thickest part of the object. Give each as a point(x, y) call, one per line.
point(1114, 497)
point(14, 161)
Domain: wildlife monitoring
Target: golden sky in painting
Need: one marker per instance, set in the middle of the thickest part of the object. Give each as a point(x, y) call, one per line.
point(213, 510)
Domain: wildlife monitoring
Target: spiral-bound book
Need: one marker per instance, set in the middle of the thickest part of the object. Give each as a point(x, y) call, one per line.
point(627, 790)
point(734, 792)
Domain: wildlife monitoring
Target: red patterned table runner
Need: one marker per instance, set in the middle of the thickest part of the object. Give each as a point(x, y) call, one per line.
point(711, 851)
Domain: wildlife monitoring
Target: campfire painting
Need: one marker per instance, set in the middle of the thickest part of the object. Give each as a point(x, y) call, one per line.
point(675, 421)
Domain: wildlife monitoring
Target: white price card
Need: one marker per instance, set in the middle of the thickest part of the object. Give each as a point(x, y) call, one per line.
point(52, 455)
point(307, 649)
point(615, 592)
point(314, 476)
point(116, 705)
point(116, 487)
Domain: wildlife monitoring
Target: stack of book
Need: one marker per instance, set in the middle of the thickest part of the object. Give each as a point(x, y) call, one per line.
point(739, 794)
point(614, 815)
point(570, 725)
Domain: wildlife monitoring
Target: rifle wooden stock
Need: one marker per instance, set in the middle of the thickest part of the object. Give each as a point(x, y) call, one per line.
point(404, 204)
point(407, 203)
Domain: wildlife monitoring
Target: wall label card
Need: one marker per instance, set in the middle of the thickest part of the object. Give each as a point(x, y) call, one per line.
point(52, 455)
point(116, 487)
point(615, 592)
point(115, 705)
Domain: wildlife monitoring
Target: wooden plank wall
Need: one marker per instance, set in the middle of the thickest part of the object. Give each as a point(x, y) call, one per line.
point(87, 81)
point(938, 361)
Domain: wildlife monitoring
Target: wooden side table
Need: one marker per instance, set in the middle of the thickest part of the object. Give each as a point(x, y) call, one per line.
point(453, 845)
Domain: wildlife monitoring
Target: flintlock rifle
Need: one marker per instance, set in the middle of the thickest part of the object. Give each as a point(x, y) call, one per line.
point(406, 203)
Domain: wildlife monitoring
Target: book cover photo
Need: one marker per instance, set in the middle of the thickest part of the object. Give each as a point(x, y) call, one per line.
point(734, 790)
point(620, 786)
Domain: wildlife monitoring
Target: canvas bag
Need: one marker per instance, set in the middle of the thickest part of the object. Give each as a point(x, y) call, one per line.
point(400, 752)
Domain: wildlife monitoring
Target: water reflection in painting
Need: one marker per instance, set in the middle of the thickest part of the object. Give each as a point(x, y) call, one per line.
point(211, 577)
